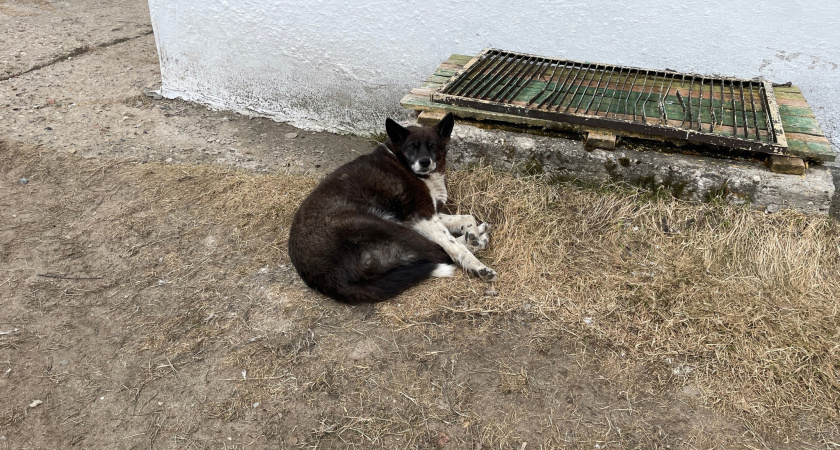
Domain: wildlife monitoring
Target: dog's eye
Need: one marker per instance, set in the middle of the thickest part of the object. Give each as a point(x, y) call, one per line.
point(431, 144)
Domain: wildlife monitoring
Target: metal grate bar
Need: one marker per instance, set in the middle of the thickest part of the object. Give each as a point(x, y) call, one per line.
point(629, 92)
point(569, 88)
point(473, 88)
point(755, 117)
point(717, 110)
point(531, 71)
point(462, 83)
point(512, 80)
point(595, 92)
point(771, 132)
point(497, 78)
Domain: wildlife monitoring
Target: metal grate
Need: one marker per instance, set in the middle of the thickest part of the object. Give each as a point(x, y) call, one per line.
point(730, 112)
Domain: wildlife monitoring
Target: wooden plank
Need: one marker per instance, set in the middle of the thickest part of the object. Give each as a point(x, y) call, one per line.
point(787, 165)
point(820, 139)
point(430, 117)
point(453, 67)
point(600, 139)
point(787, 90)
point(799, 103)
point(811, 147)
point(438, 79)
point(458, 60)
point(804, 125)
point(813, 151)
point(448, 73)
point(798, 111)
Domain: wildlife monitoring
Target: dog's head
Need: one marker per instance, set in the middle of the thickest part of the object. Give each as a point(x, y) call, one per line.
point(421, 149)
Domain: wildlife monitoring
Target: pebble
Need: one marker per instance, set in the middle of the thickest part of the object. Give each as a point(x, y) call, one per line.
point(24, 181)
point(756, 179)
point(35, 403)
point(291, 135)
point(64, 362)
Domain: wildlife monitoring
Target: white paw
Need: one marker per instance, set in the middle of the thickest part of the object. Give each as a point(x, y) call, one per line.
point(477, 238)
point(485, 273)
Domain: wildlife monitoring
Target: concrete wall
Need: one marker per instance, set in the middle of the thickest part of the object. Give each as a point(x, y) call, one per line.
point(344, 65)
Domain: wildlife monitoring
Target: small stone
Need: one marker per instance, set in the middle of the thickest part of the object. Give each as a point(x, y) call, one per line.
point(756, 179)
point(51, 101)
point(72, 151)
point(154, 94)
point(291, 135)
point(35, 403)
point(24, 181)
point(64, 362)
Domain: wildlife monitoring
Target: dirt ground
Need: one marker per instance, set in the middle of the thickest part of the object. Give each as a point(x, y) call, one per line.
point(147, 300)
point(137, 318)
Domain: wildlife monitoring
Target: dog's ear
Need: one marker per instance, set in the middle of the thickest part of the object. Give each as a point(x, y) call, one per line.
point(396, 132)
point(444, 127)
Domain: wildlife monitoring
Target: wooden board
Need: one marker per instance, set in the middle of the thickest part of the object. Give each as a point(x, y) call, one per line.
point(804, 136)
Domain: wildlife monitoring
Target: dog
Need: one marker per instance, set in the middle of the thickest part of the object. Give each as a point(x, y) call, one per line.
point(373, 228)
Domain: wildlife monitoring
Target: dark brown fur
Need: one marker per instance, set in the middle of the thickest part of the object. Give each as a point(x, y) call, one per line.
point(351, 238)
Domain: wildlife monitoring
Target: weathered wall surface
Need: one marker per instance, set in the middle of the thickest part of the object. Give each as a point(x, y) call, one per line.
point(344, 65)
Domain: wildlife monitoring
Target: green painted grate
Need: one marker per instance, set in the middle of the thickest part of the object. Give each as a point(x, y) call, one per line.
point(728, 112)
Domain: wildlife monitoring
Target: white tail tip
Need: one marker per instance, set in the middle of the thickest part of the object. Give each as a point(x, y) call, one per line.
point(444, 270)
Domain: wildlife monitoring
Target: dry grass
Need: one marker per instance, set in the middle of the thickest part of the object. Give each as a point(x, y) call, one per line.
point(741, 304)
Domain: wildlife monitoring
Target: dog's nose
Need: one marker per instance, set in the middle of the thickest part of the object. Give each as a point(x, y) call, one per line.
point(425, 163)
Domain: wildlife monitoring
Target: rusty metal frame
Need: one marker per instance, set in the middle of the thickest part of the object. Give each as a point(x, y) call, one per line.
point(460, 85)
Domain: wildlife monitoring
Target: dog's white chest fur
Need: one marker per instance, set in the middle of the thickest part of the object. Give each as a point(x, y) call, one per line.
point(437, 189)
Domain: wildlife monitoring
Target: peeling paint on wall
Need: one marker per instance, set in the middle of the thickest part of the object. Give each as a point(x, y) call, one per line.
point(344, 65)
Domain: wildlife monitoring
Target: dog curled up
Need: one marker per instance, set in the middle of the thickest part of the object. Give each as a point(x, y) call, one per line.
point(373, 228)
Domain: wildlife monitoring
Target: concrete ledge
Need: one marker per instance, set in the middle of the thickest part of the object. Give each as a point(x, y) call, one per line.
point(695, 178)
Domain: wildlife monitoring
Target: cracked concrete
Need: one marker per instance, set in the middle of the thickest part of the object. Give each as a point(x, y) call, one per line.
point(73, 78)
point(689, 177)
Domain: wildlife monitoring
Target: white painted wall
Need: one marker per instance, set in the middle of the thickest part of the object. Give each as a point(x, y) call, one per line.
point(344, 65)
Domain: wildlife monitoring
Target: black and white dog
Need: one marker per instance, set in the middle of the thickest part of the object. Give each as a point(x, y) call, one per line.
point(373, 228)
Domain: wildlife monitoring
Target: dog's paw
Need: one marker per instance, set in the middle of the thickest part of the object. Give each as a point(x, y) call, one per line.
point(485, 273)
point(478, 238)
